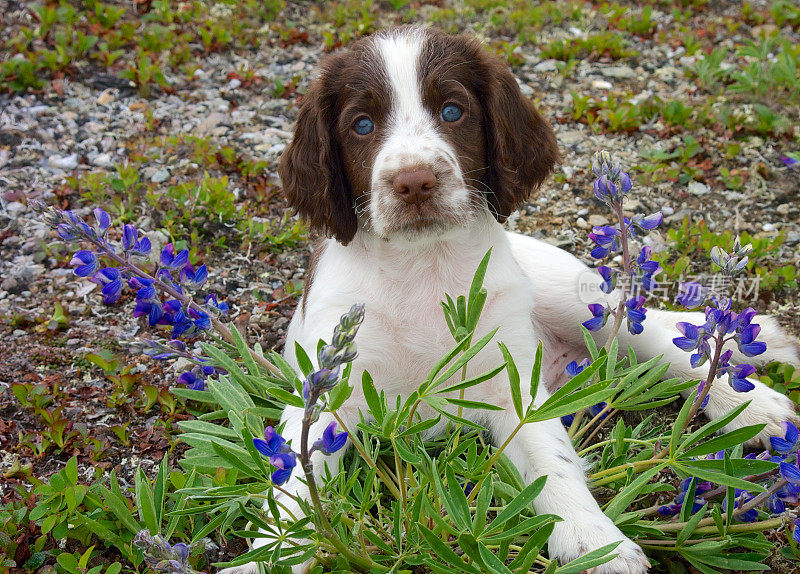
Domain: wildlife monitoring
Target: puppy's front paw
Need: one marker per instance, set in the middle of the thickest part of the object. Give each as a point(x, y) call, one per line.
point(630, 560)
point(574, 538)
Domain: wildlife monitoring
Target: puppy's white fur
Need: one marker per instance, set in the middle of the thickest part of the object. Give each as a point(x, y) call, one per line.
point(533, 295)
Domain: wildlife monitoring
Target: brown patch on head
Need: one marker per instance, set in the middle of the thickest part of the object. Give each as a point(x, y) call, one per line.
point(317, 168)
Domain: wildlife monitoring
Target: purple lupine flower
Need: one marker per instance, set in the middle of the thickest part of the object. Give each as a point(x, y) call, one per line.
point(193, 278)
point(692, 295)
point(644, 223)
point(171, 260)
point(566, 420)
point(595, 410)
point(743, 497)
point(103, 221)
point(693, 336)
point(331, 441)
point(599, 317)
point(129, 237)
point(110, 279)
point(775, 505)
point(648, 268)
point(747, 343)
point(215, 305)
point(790, 161)
point(636, 314)
point(285, 463)
point(85, 263)
point(192, 380)
point(271, 444)
point(796, 531)
point(790, 472)
point(789, 493)
point(574, 368)
point(608, 275)
point(738, 378)
point(606, 237)
point(788, 442)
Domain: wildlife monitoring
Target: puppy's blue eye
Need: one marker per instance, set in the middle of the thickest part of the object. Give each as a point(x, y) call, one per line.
point(363, 126)
point(451, 113)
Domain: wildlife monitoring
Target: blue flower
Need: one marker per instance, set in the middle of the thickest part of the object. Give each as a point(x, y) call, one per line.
point(595, 410)
point(648, 268)
point(746, 340)
point(775, 505)
point(608, 275)
point(574, 367)
point(646, 223)
point(193, 381)
point(111, 281)
point(566, 420)
point(692, 294)
point(85, 262)
point(607, 239)
point(636, 314)
point(331, 441)
point(271, 444)
point(171, 260)
point(738, 378)
point(790, 161)
point(599, 317)
point(195, 279)
point(790, 472)
point(215, 305)
point(788, 442)
point(103, 220)
point(693, 336)
point(285, 463)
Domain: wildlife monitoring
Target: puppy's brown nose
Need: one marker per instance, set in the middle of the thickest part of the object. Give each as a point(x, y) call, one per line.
point(415, 185)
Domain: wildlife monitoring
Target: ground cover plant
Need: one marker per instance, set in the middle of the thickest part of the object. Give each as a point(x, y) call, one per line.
point(171, 118)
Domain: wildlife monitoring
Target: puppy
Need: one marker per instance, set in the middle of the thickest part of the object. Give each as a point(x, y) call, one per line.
point(410, 151)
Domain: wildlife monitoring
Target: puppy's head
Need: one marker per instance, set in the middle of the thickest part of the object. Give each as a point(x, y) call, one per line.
point(411, 132)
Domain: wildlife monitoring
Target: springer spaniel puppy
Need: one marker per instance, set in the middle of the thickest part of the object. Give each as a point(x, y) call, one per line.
point(411, 148)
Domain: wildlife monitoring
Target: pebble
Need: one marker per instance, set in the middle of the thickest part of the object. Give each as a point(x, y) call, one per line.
point(160, 176)
point(583, 212)
point(667, 210)
point(697, 188)
point(103, 160)
point(768, 227)
point(65, 162)
point(602, 85)
point(234, 83)
point(19, 333)
point(582, 223)
point(106, 97)
point(596, 219)
point(618, 72)
point(783, 209)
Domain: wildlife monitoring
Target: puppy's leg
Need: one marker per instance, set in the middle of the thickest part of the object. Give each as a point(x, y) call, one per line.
point(296, 486)
point(543, 448)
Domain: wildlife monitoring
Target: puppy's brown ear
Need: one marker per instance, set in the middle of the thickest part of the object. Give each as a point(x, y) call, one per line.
point(311, 168)
point(521, 147)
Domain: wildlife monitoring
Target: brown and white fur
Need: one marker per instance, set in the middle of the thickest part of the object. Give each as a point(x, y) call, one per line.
point(399, 254)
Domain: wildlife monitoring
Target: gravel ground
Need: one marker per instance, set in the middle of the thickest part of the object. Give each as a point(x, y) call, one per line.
point(92, 121)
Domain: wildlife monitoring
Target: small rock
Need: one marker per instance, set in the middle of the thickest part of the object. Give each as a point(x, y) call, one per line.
point(792, 238)
point(103, 160)
point(582, 223)
point(783, 209)
point(234, 83)
point(65, 163)
point(768, 227)
point(697, 188)
point(596, 219)
point(106, 97)
point(11, 285)
point(546, 66)
point(619, 72)
point(667, 210)
point(583, 212)
point(160, 175)
point(19, 333)
point(602, 85)
point(570, 137)
point(73, 342)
